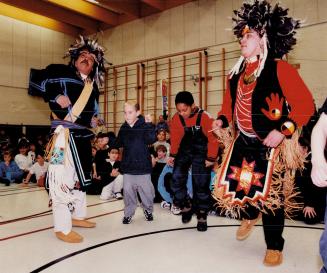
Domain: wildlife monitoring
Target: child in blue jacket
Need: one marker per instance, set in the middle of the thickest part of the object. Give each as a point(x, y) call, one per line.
point(135, 136)
point(9, 170)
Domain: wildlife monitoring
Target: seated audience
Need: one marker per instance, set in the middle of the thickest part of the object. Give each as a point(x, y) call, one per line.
point(99, 165)
point(112, 176)
point(39, 169)
point(164, 188)
point(22, 160)
point(31, 152)
point(9, 170)
point(159, 160)
point(161, 140)
point(162, 124)
point(311, 196)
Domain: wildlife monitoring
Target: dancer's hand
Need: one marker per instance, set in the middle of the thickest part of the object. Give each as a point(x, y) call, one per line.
point(216, 126)
point(63, 101)
point(209, 163)
point(273, 139)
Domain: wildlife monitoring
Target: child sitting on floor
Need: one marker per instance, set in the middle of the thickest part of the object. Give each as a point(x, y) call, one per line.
point(112, 176)
point(9, 170)
point(39, 169)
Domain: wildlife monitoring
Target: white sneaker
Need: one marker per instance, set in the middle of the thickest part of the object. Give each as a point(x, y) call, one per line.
point(118, 196)
point(213, 213)
point(175, 210)
point(165, 205)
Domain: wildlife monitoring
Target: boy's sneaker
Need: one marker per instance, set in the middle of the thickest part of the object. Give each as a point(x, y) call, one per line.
point(202, 221)
point(165, 205)
point(187, 214)
point(202, 225)
point(127, 220)
point(213, 213)
point(175, 210)
point(148, 215)
point(118, 196)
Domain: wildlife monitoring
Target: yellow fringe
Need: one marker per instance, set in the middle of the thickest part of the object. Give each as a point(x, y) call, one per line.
point(50, 146)
point(290, 157)
point(293, 155)
point(66, 145)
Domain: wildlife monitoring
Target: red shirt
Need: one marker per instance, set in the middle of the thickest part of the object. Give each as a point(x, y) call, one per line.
point(294, 89)
point(244, 99)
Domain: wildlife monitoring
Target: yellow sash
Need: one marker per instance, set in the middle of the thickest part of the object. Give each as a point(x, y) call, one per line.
point(79, 104)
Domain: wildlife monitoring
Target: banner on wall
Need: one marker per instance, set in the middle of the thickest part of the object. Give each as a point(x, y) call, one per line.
point(164, 96)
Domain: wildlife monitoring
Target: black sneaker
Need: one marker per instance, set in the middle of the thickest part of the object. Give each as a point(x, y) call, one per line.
point(187, 214)
point(202, 225)
point(148, 215)
point(127, 220)
point(202, 221)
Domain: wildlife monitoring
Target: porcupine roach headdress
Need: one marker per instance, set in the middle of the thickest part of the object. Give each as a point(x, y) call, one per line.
point(93, 47)
point(272, 24)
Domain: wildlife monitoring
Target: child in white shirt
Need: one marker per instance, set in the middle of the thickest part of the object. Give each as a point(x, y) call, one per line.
point(22, 160)
point(39, 169)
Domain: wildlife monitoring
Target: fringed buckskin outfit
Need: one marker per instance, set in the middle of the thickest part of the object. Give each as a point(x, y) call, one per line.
point(69, 150)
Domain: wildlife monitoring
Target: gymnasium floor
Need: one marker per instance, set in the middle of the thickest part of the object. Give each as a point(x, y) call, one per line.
point(165, 245)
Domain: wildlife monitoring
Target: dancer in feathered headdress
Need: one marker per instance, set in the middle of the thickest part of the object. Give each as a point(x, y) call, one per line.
point(97, 51)
point(73, 95)
point(265, 102)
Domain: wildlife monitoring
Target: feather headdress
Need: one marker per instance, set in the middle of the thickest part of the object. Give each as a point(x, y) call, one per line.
point(271, 23)
point(93, 47)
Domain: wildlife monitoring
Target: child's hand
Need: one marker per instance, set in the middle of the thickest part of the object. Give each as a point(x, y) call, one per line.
point(170, 161)
point(154, 160)
point(309, 212)
point(148, 118)
point(114, 172)
point(209, 163)
point(95, 176)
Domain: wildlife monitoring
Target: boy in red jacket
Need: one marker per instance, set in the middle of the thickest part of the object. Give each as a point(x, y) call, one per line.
point(192, 144)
